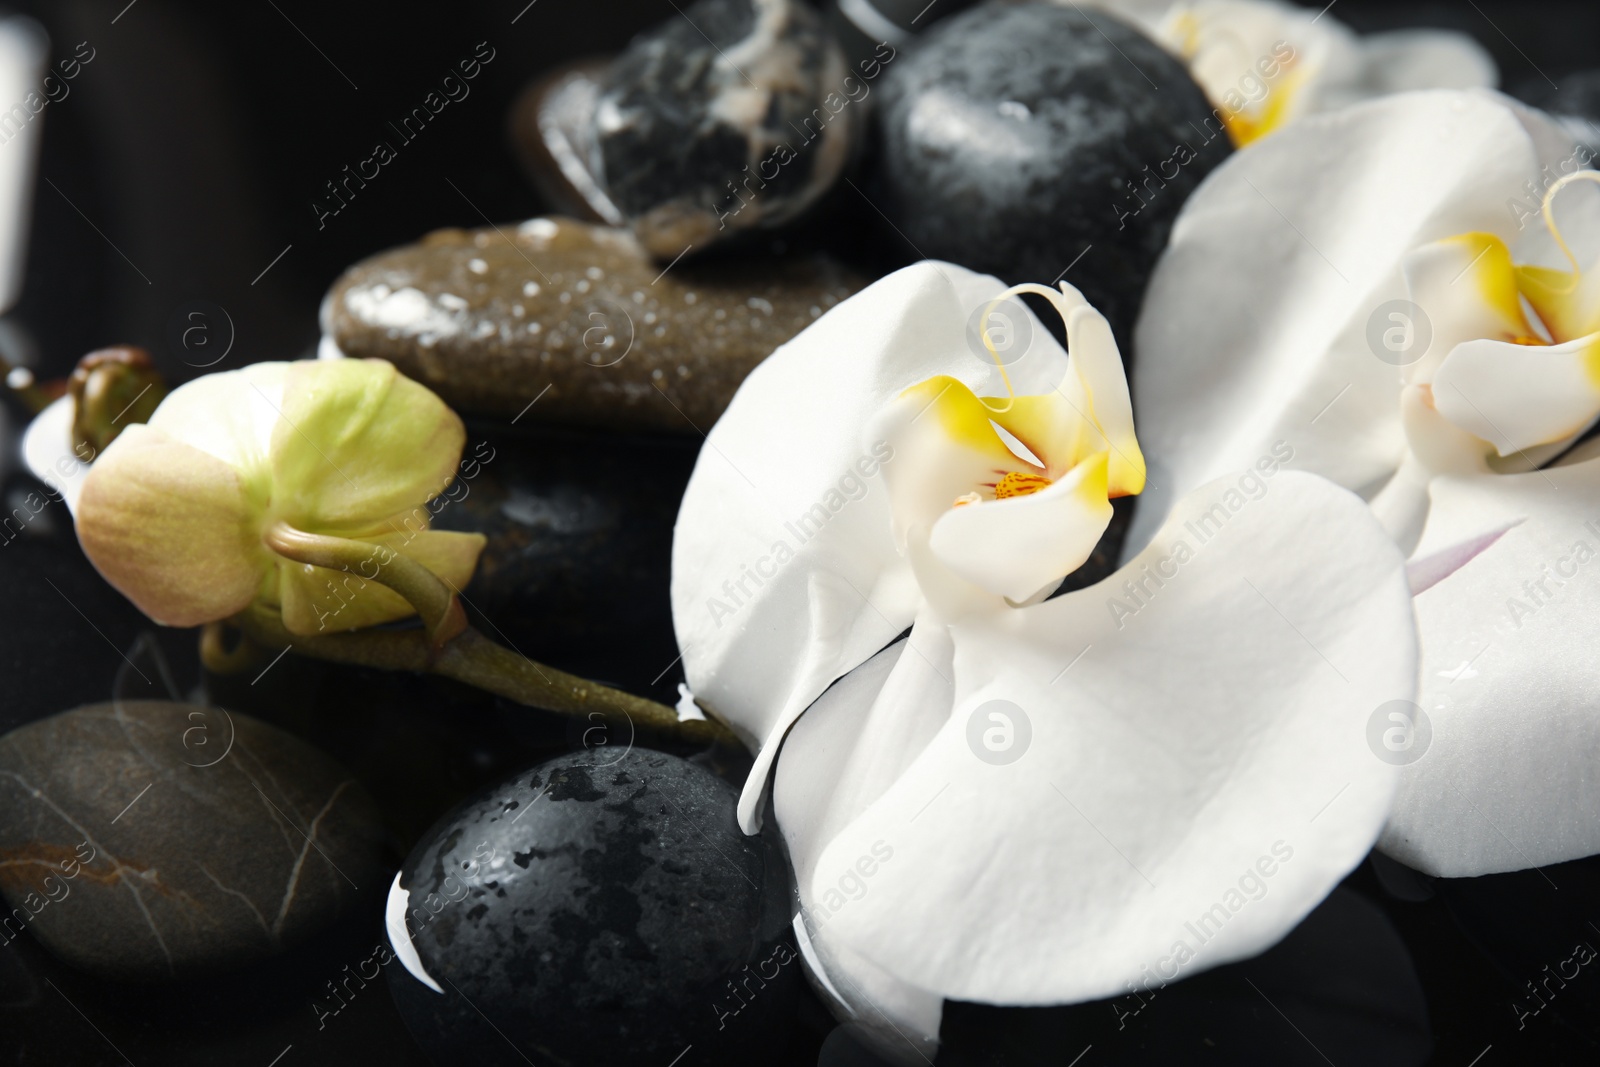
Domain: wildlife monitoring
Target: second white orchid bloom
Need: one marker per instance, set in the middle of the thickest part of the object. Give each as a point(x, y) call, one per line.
point(1265, 64)
point(1025, 801)
point(1409, 293)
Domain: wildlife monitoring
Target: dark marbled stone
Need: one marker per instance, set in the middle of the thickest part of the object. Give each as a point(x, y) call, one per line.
point(579, 532)
point(601, 908)
point(1012, 138)
point(578, 318)
point(552, 132)
point(153, 840)
point(727, 116)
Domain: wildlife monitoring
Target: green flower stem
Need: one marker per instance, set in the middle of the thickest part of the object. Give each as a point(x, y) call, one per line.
point(451, 648)
point(434, 601)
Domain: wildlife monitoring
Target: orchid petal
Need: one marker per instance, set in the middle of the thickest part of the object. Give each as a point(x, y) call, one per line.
point(49, 453)
point(945, 443)
point(783, 539)
point(1520, 396)
point(1507, 781)
point(1568, 303)
point(1174, 745)
point(358, 439)
point(229, 415)
point(321, 600)
point(1467, 287)
point(1224, 40)
point(1435, 445)
point(842, 754)
point(1099, 367)
point(1016, 547)
point(1406, 60)
point(1278, 265)
point(147, 493)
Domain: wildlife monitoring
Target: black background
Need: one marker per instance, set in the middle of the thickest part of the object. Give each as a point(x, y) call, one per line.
point(187, 157)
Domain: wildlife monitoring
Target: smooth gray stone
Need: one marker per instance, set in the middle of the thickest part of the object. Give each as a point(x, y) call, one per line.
point(1036, 142)
point(156, 840)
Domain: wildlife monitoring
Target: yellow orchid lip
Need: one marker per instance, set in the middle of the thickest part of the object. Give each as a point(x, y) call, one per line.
point(1014, 491)
point(1020, 483)
point(1519, 366)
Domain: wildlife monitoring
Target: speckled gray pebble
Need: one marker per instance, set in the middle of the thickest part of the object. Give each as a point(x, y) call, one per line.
point(559, 321)
point(151, 840)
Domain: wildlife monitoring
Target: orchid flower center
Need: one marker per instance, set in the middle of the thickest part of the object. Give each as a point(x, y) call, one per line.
point(1514, 358)
point(1019, 483)
point(1013, 492)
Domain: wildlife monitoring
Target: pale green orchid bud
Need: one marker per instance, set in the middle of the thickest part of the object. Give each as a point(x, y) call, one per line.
point(111, 389)
point(176, 512)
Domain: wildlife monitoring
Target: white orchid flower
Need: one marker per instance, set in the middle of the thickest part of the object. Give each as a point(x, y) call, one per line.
point(1389, 289)
point(1026, 801)
point(1264, 64)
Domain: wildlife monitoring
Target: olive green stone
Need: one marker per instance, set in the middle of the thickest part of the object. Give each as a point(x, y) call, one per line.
point(576, 320)
point(149, 840)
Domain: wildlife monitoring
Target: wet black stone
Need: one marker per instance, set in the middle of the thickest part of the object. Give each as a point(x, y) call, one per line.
point(579, 530)
point(152, 840)
point(1012, 138)
point(616, 915)
point(696, 106)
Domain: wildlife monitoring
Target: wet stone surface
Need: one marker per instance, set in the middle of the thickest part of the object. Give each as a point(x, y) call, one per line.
point(734, 116)
point(600, 908)
point(151, 840)
point(577, 321)
point(579, 540)
point(1016, 137)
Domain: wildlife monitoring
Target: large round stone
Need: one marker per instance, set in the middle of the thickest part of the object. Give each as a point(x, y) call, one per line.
point(558, 321)
point(150, 840)
point(1035, 141)
point(601, 908)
